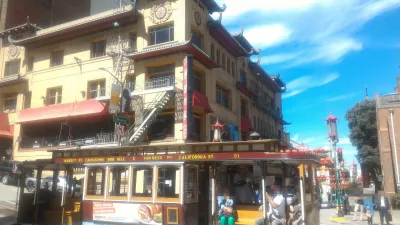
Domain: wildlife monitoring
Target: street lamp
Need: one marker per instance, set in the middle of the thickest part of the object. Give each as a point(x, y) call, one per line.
point(255, 136)
point(334, 139)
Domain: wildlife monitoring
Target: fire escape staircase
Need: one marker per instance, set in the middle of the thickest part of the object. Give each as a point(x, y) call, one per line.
point(150, 113)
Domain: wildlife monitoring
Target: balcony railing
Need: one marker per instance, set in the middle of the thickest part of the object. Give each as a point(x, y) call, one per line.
point(160, 82)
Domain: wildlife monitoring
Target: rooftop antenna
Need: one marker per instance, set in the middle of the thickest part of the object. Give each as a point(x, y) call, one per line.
point(366, 93)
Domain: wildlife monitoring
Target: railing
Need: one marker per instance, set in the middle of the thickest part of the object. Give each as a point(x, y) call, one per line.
point(160, 82)
point(102, 138)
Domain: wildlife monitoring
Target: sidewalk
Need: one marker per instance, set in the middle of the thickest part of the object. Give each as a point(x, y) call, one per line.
point(6, 216)
point(348, 219)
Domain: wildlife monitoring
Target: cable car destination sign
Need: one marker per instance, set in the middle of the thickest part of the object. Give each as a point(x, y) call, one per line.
point(187, 157)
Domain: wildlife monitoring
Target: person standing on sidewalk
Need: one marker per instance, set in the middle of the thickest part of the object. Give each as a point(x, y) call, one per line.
point(359, 209)
point(384, 207)
point(346, 206)
point(369, 208)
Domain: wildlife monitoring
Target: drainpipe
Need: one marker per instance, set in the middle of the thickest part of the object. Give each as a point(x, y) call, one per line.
point(395, 147)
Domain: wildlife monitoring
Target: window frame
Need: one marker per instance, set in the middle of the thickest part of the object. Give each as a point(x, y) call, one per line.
point(9, 97)
point(55, 56)
point(98, 88)
point(94, 46)
point(30, 64)
point(8, 64)
point(168, 199)
point(218, 57)
point(133, 40)
point(156, 29)
point(132, 177)
point(199, 36)
point(108, 175)
point(196, 183)
point(212, 52)
point(57, 96)
point(223, 91)
point(104, 184)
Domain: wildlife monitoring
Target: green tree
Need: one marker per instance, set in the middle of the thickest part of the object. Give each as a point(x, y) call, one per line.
point(364, 136)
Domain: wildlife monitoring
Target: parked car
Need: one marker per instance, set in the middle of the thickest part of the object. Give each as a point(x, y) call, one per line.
point(10, 171)
point(30, 183)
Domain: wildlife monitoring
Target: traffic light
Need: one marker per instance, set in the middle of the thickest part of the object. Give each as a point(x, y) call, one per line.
point(340, 155)
point(126, 100)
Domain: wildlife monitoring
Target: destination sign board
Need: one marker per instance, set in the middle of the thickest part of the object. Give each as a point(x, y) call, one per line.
point(189, 157)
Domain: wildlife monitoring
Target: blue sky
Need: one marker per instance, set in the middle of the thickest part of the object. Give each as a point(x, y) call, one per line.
point(326, 51)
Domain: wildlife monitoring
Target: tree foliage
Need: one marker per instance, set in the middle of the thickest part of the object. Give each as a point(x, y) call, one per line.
point(364, 135)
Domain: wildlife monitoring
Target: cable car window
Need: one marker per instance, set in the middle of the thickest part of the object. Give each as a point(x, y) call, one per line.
point(168, 182)
point(142, 182)
point(118, 181)
point(96, 180)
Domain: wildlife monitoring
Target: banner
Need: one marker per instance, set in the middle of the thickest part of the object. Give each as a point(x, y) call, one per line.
point(187, 97)
point(134, 214)
point(115, 95)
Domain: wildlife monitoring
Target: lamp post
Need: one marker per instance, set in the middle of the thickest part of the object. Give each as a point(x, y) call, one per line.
point(334, 139)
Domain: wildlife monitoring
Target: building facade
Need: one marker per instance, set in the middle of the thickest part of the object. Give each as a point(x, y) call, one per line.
point(388, 125)
point(183, 69)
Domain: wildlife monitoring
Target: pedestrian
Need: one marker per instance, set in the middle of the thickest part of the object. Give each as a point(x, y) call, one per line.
point(359, 209)
point(384, 207)
point(369, 208)
point(227, 209)
point(346, 205)
point(276, 213)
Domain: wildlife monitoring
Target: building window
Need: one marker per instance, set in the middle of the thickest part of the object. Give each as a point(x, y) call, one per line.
point(29, 64)
point(212, 51)
point(118, 181)
point(168, 182)
point(54, 95)
point(130, 82)
point(233, 69)
point(218, 57)
point(242, 78)
point(98, 49)
point(161, 71)
point(96, 179)
point(222, 96)
point(57, 58)
point(133, 41)
point(197, 82)
point(162, 34)
point(97, 88)
point(243, 108)
point(223, 61)
point(142, 185)
point(197, 39)
point(228, 63)
point(27, 101)
point(12, 67)
point(10, 102)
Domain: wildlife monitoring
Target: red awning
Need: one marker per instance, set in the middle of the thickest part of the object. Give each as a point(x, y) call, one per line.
point(201, 100)
point(5, 131)
point(246, 124)
point(62, 111)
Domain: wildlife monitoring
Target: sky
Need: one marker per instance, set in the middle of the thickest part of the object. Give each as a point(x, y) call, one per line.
point(327, 52)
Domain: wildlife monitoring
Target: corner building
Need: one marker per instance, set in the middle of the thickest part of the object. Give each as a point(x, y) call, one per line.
point(184, 70)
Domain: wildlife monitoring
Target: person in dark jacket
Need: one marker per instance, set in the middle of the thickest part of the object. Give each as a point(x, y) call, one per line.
point(383, 206)
point(346, 205)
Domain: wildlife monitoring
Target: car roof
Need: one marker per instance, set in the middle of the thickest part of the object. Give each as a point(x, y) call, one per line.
point(12, 161)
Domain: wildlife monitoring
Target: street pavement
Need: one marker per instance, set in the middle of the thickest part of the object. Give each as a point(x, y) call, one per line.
point(327, 217)
point(8, 194)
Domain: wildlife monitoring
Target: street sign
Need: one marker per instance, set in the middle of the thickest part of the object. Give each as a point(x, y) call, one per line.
point(114, 99)
point(120, 130)
point(121, 120)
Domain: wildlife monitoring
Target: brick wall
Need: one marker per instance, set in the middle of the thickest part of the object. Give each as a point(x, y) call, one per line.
point(386, 147)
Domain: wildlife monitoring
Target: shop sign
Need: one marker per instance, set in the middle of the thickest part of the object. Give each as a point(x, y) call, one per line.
point(185, 157)
point(121, 120)
point(127, 213)
point(187, 97)
point(115, 95)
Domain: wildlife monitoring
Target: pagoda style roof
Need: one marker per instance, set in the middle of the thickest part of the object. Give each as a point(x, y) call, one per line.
point(278, 80)
point(239, 37)
point(222, 35)
point(175, 47)
point(213, 7)
point(21, 28)
point(257, 69)
point(82, 26)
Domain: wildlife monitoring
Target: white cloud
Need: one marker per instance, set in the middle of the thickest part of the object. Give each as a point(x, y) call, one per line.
point(295, 137)
point(315, 30)
point(340, 97)
point(262, 38)
point(345, 141)
point(304, 83)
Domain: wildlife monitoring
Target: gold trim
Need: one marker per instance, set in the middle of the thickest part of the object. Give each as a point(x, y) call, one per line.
point(177, 215)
